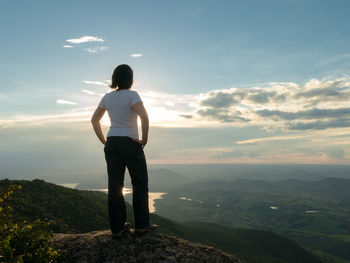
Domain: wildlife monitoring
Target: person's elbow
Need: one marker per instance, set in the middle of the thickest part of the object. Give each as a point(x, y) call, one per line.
point(94, 120)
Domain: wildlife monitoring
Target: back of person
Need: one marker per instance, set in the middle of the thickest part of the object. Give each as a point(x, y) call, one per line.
point(123, 149)
point(123, 119)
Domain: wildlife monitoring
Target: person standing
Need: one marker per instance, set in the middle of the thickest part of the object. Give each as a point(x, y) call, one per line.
point(124, 149)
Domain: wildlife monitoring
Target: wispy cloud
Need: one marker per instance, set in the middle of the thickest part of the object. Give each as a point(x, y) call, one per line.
point(276, 138)
point(74, 115)
point(99, 83)
point(65, 102)
point(85, 39)
point(95, 49)
point(136, 55)
point(88, 92)
point(236, 153)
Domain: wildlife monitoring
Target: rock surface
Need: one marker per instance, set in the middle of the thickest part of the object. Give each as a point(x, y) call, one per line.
point(98, 246)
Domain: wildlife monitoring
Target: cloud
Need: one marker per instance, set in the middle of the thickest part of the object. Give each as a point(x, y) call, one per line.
point(99, 83)
point(95, 49)
point(163, 108)
point(75, 115)
point(136, 55)
point(335, 152)
point(88, 92)
point(236, 153)
point(222, 115)
point(319, 125)
point(186, 116)
point(65, 102)
point(316, 137)
point(85, 39)
point(218, 100)
point(317, 104)
point(306, 114)
point(178, 103)
point(256, 141)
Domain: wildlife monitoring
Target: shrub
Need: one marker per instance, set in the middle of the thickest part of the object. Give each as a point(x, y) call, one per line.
point(25, 242)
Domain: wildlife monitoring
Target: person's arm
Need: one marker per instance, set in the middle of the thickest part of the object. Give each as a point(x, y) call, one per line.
point(95, 120)
point(141, 111)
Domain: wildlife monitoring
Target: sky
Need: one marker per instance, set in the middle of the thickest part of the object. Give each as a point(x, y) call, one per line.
point(222, 81)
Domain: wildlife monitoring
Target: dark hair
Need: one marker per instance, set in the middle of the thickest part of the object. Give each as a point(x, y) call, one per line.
point(122, 77)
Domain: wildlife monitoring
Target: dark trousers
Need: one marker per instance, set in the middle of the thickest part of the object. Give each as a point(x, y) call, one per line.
point(121, 152)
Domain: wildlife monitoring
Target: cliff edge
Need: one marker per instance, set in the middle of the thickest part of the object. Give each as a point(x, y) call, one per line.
point(97, 246)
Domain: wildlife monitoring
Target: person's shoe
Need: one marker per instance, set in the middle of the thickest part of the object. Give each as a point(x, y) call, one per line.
point(125, 229)
point(144, 230)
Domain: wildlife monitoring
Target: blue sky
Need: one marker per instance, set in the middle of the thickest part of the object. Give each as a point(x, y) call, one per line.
point(223, 81)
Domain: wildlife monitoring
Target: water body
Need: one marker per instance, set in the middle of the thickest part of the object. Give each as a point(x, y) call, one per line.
point(152, 196)
point(189, 199)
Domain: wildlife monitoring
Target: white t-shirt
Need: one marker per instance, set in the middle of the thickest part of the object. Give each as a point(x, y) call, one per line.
point(118, 105)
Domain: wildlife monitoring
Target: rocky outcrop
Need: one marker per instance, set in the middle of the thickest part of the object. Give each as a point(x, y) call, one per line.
point(98, 246)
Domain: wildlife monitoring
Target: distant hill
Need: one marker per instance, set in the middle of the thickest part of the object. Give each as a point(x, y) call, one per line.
point(313, 214)
point(160, 180)
point(328, 187)
point(268, 172)
point(77, 211)
point(267, 246)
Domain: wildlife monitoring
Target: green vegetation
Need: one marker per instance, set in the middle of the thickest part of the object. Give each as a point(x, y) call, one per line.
point(66, 207)
point(23, 242)
point(267, 246)
point(314, 214)
point(68, 210)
